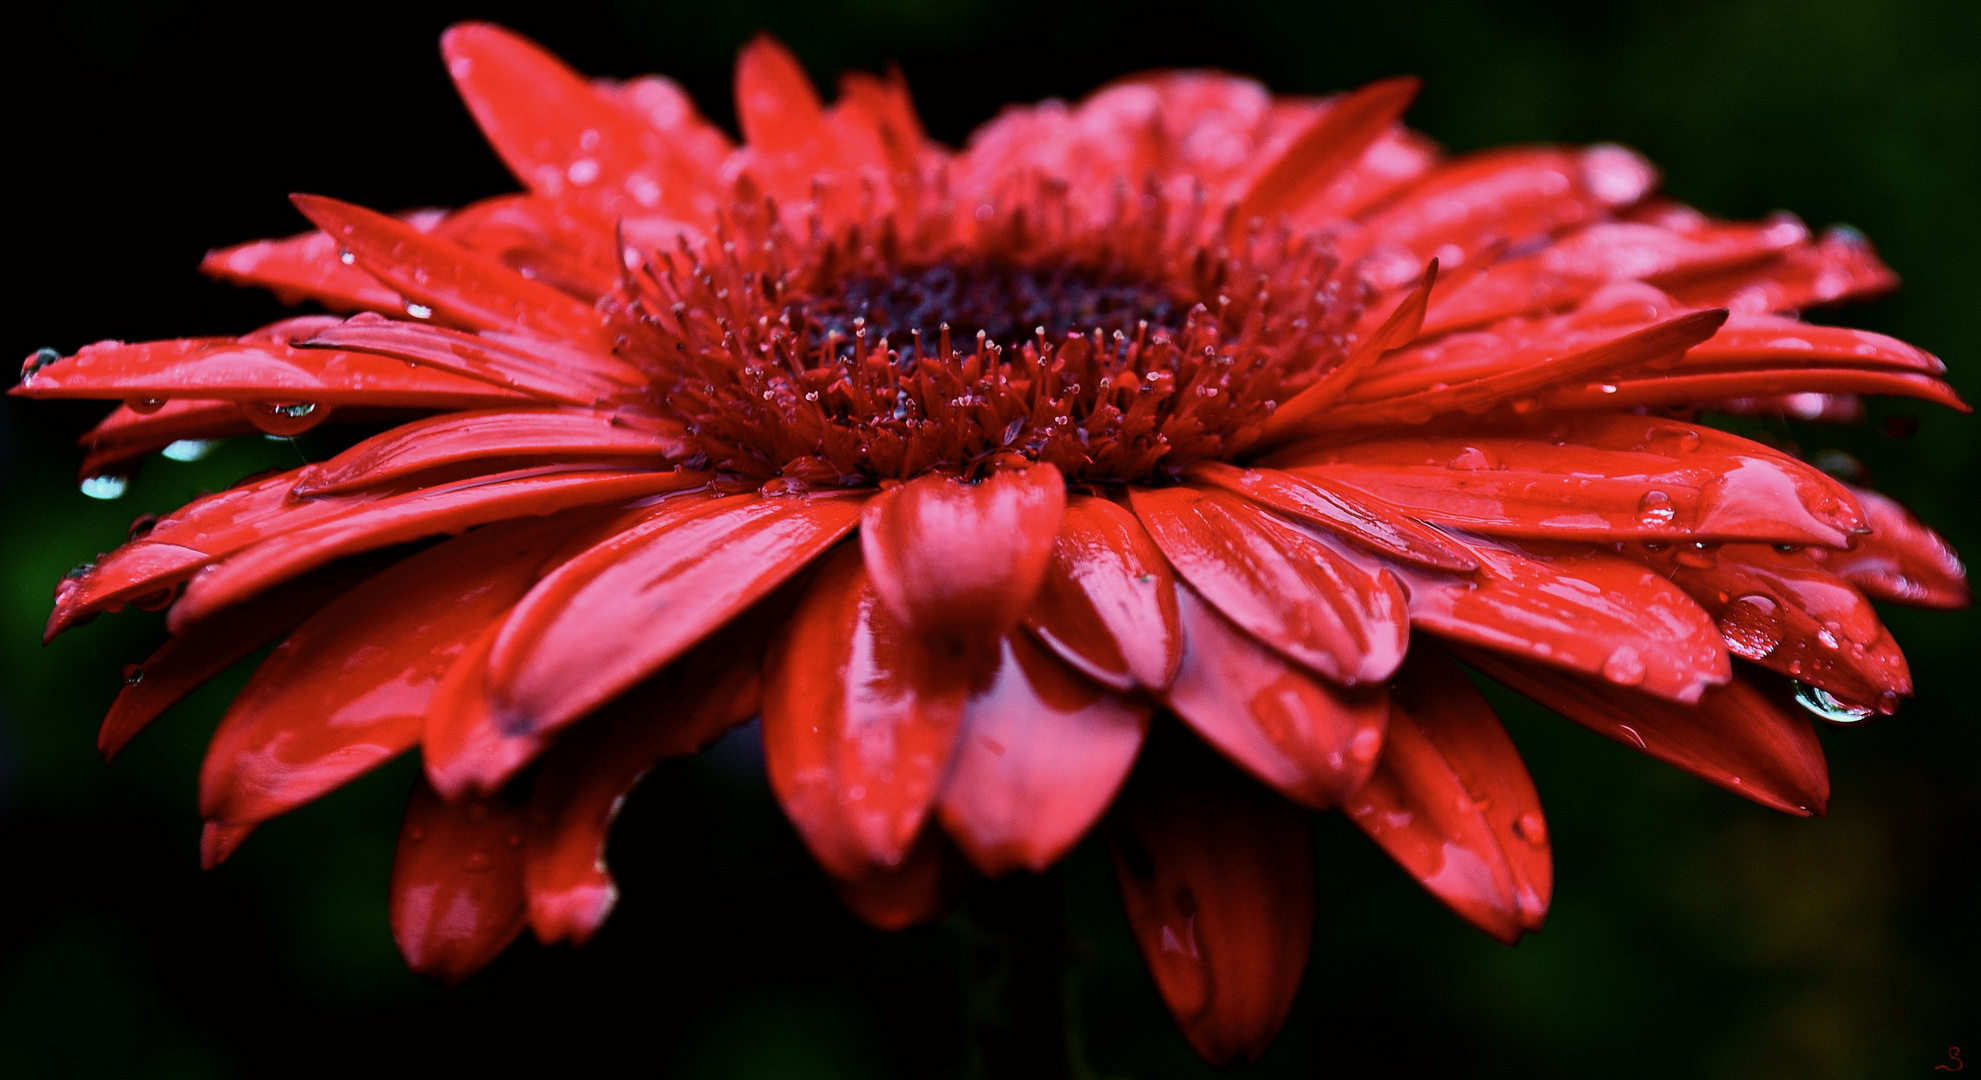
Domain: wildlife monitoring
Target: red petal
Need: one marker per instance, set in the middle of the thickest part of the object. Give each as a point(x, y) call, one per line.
point(1399, 328)
point(960, 562)
point(126, 434)
point(1217, 875)
point(651, 593)
point(1742, 736)
point(1107, 605)
point(497, 436)
point(582, 784)
point(1310, 741)
point(776, 106)
point(449, 281)
point(349, 689)
point(1515, 194)
point(1360, 519)
point(553, 372)
point(1902, 560)
point(443, 508)
point(1452, 802)
point(921, 890)
point(457, 884)
point(1333, 142)
point(1041, 755)
point(1584, 610)
point(306, 267)
point(206, 649)
point(859, 725)
point(1839, 266)
point(1282, 586)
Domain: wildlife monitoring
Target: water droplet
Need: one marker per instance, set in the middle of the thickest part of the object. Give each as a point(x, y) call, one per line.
point(133, 674)
point(1751, 627)
point(1531, 828)
point(80, 570)
point(106, 487)
point(189, 449)
point(345, 256)
point(41, 358)
point(1624, 667)
point(1698, 554)
point(1472, 458)
point(419, 311)
point(1366, 745)
point(144, 406)
point(285, 419)
point(1655, 510)
point(1826, 706)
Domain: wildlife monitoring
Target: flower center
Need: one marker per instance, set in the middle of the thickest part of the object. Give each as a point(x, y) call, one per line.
point(1007, 303)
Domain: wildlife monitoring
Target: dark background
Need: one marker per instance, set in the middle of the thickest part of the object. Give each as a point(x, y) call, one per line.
point(1693, 934)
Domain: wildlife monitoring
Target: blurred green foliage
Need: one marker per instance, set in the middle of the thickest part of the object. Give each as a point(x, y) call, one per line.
point(1693, 934)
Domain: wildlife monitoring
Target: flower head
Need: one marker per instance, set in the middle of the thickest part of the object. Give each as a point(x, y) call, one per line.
point(1148, 459)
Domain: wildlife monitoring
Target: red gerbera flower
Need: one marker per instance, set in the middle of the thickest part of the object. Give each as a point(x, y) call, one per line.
point(973, 472)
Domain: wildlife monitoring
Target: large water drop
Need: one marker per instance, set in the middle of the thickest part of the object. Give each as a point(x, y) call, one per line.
point(1826, 706)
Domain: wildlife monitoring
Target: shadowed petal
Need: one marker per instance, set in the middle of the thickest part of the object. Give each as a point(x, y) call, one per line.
point(1745, 736)
point(1284, 587)
point(921, 890)
point(1041, 755)
point(1107, 605)
point(1902, 560)
point(1365, 521)
point(1839, 266)
point(1452, 803)
point(547, 371)
point(1217, 875)
point(1334, 141)
point(457, 884)
point(495, 437)
point(859, 724)
point(1314, 743)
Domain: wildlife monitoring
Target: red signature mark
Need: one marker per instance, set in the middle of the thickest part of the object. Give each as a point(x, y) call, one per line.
point(1954, 1053)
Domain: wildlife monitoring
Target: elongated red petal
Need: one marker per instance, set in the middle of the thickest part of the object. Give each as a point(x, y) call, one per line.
point(1452, 803)
point(961, 562)
point(1587, 611)
point(1107, 605)
point(447, 281)
point(920, 890)
point(443, 508)
point(1902, 560)
point(545, 371)
point(1217, 876)
point(1334, 141)
point(776, 106)
point(582, 784)
point(1042, 753)
point(349, 689)
point(1402, 325)
point(1516, 194)
point(1363, 520)
point(1310, 741)
point(457, 884)
point(498, 437)
point(655, 590)
point(860, 723)
point(1284, 587)
point(306, 267)
point(1839, 266)
point(206, 649)
point(1746, 736)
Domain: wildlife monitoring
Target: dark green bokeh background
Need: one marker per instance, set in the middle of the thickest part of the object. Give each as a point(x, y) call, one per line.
point(1693, 934)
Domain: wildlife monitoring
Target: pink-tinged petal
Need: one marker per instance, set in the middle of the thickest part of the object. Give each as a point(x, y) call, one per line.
point(1399, 328)
point(1666, 339)
point(1107, 605)
point(490, 439)
point(449, 282)
point(584, 781)
point(1787, 612)
point(883, 108)
point(618, 149)
point(208, 648)
point(1587, 611)
point(442, 508)
point(1217, 876)
point(1516, 194)
point(1351, 514)
point(860, 723)
point(544, 239)
point(303, 268)
point(1042, 753)
point(959, 563)
point(553, 372)
point(1775, 341)
point(1452, 802)
point(349, 689)
point(919, 891)
point(1680, 388)
point(776, 106)
point(654, 591)
point(1902, 560)
point(1310, 741)
point(1602, 478)
point(1746, 736)
point(1284, 587)
point(457, 884)
point(1840, 266)
point(1334, 141)
point(229, 369)
point(127, 435)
